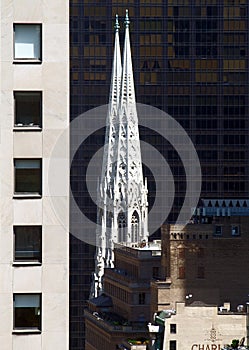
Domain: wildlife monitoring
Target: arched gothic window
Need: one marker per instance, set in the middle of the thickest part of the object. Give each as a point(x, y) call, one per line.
point(121, 227)
point(134, 227)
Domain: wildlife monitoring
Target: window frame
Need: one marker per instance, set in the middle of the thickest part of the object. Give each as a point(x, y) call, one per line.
point(28, 59)
point(141, 298)
point(17, 126)
point(27, 329)
point(27, 261)
point(155, 272)
point(216, 233)
point(173, 328)
point(172, 345)
point(29, 194)
point(181, 272)
point(232, 229)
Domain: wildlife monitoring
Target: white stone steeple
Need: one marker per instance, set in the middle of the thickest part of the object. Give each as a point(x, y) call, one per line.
point(122, 194)
point(130, 197)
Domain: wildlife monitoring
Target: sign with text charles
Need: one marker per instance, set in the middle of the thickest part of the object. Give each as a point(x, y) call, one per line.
point(206, 347)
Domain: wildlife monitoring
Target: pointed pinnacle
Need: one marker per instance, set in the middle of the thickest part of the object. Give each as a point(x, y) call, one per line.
point(126, 21)
point(117, 26)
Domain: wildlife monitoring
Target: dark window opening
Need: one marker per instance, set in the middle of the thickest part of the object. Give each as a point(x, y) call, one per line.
point(141, 298)
point(28, 109)
point(181, 272)
point(27, 243)
point(28, 175)
point(218, 231)
point(155, 272)
point(173, 328)
point(27, 311)
point(172, 345)
point(235, 231)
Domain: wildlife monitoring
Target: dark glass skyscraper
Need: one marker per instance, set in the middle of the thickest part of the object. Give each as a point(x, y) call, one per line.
point(190, 59)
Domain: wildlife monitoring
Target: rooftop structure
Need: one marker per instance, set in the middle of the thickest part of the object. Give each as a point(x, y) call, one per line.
point(208, 261)
point(118, 317)
point(202, 326)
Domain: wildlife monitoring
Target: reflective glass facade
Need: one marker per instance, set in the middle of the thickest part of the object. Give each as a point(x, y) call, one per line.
point(190, 59)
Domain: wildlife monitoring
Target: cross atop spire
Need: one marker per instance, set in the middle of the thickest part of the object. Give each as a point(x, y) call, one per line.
point(117, 26)
point(126, 21)
point(127, 93)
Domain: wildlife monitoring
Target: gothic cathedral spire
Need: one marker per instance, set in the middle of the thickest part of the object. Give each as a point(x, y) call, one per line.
point(130, 197)
point(122, 194)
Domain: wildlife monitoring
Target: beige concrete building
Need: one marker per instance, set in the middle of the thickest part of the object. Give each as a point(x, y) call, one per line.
point(34, 150)
point(203, 264)
point(203, 327)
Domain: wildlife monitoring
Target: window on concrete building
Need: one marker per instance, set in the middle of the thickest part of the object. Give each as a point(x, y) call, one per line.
point(27, 311)
point(181, 253)
point(27, 243)
point(28, 176)
point(235, 230)
point(28, 108)
point(200, 252)
point(141, 298)
point(173, 328)
point(27, 42)
point(155, 272)
point(181, 272)
point(218, 230)
point(172, 345)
